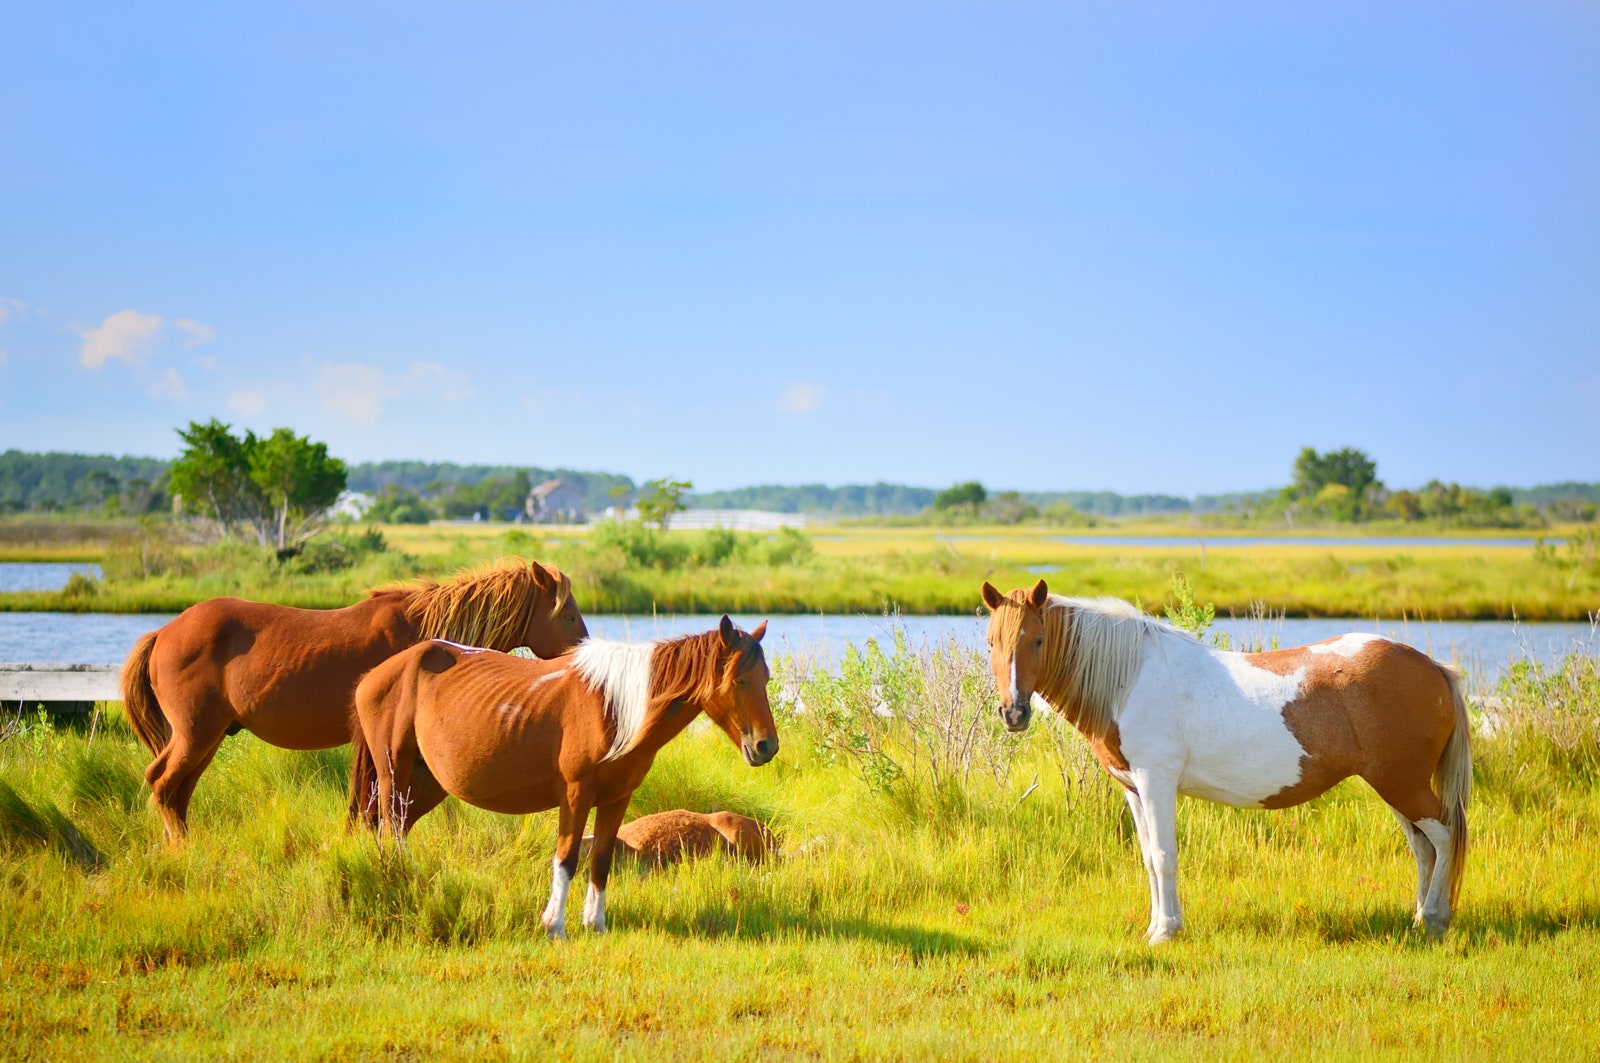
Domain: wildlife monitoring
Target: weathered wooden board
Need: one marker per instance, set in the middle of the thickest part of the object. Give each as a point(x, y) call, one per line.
point(59, 682)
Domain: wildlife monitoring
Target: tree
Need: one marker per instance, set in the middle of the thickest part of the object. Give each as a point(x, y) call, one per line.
point(297, 479)
point(270, 485)
point(660, 499)
point(212, 475)
point(969, 494)
point(1347, 466)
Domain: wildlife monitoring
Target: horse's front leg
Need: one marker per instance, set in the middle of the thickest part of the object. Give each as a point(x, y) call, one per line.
point(574, 815)
point(1158, 797)
point(1141, 833)
point(607, 819)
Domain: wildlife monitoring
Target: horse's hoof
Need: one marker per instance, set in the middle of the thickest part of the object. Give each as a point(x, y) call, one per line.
point(1160, 935)
point(556, 932)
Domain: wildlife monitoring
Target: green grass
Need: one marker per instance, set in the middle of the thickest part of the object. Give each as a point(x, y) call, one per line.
point(926, 909)
point(914, 570)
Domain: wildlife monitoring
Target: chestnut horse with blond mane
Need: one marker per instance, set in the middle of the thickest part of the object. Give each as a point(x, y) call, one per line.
point(1166, 715)
point(287, 675)
point(575, 733)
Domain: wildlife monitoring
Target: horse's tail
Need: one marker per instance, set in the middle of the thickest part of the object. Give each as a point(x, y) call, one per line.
point(139, 697)
point(363, 777)
point(1453, 777)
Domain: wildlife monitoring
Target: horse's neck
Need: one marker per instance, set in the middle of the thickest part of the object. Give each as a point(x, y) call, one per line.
point(664, 725)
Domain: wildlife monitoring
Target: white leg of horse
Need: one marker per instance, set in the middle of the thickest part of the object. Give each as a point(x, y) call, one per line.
point(594, 909)
point(1160, 800)
point(1136, 807)
point(1436, 907)
point(555, 913)
point(1422, 849)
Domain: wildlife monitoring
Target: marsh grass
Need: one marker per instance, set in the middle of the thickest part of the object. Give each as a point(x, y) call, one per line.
point(912, 570)
point(978, 901)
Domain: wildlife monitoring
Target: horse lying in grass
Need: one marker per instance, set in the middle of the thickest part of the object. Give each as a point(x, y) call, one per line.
point(669, 837)
point(287, 675)
point(1166, 715)
point(575, 733)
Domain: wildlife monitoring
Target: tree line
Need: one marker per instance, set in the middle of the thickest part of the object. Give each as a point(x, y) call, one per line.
point(1336, 486)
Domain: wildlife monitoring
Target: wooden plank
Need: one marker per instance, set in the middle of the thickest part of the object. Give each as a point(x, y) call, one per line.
point(59, 682)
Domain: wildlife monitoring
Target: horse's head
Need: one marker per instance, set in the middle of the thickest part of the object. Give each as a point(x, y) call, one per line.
point(1016, 648)
point(740, 706)
point(554, 623)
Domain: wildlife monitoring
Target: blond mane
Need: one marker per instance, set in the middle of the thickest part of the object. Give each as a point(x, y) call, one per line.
point(491, 605)
point(639, 680)
point(1091, 653)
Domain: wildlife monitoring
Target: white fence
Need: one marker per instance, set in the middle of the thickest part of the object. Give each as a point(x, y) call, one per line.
point(736, 519)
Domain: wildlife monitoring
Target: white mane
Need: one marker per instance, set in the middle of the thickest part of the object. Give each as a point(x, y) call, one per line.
point(1092, 648)
point(620, 673)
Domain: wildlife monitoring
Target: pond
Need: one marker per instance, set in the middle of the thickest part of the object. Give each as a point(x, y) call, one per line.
point(41, 575)
point(1483, 647)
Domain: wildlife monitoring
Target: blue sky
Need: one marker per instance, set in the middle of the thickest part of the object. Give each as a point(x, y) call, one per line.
point(1143, 247)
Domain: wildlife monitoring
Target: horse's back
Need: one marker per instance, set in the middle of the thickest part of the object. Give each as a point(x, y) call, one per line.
point(284, 673)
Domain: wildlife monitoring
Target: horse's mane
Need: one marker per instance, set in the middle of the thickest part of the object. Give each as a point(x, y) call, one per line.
point(1091, 654)
point(491, 605)
point(639, 680)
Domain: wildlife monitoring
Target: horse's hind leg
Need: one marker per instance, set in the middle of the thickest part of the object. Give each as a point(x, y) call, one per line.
point(177, 768)
point(1422, 849)
point(423, 795)
point(1420, 808)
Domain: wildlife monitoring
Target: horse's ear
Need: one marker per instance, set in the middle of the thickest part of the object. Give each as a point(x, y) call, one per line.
point(991, 597)
point(759, 630)
point(1038, 595)
point(726, 629)
point(542, 577)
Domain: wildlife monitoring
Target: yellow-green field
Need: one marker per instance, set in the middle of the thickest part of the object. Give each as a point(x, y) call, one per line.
point(927, 908)
point(861, 569)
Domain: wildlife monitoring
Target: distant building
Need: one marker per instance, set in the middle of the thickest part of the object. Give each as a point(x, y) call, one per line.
point(555, 502)
point(352, 504)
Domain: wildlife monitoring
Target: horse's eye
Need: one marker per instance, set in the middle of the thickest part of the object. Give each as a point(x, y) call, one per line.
point(1038, 644)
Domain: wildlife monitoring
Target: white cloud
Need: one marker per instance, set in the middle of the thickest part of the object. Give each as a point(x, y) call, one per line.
point(204, 361)
point(119, 336)
point(2, 357)
point(198, 333)
point(249, 401)
point(10, 308)
point(432, 380)
point(360, 392)
point(355, 392)
point(801, 398)
point(169, 386)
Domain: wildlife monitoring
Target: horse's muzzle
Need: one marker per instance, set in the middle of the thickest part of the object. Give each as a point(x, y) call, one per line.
point(1016, 716)
point(760, 752)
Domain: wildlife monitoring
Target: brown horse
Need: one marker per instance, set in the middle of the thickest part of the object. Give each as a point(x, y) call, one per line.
point(575, 733)
point(287, 675)
point(1166, 715)
point(668, 837)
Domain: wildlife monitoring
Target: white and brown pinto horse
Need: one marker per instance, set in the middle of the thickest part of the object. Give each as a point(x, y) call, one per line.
point(574, 733)
point(1166, 715)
